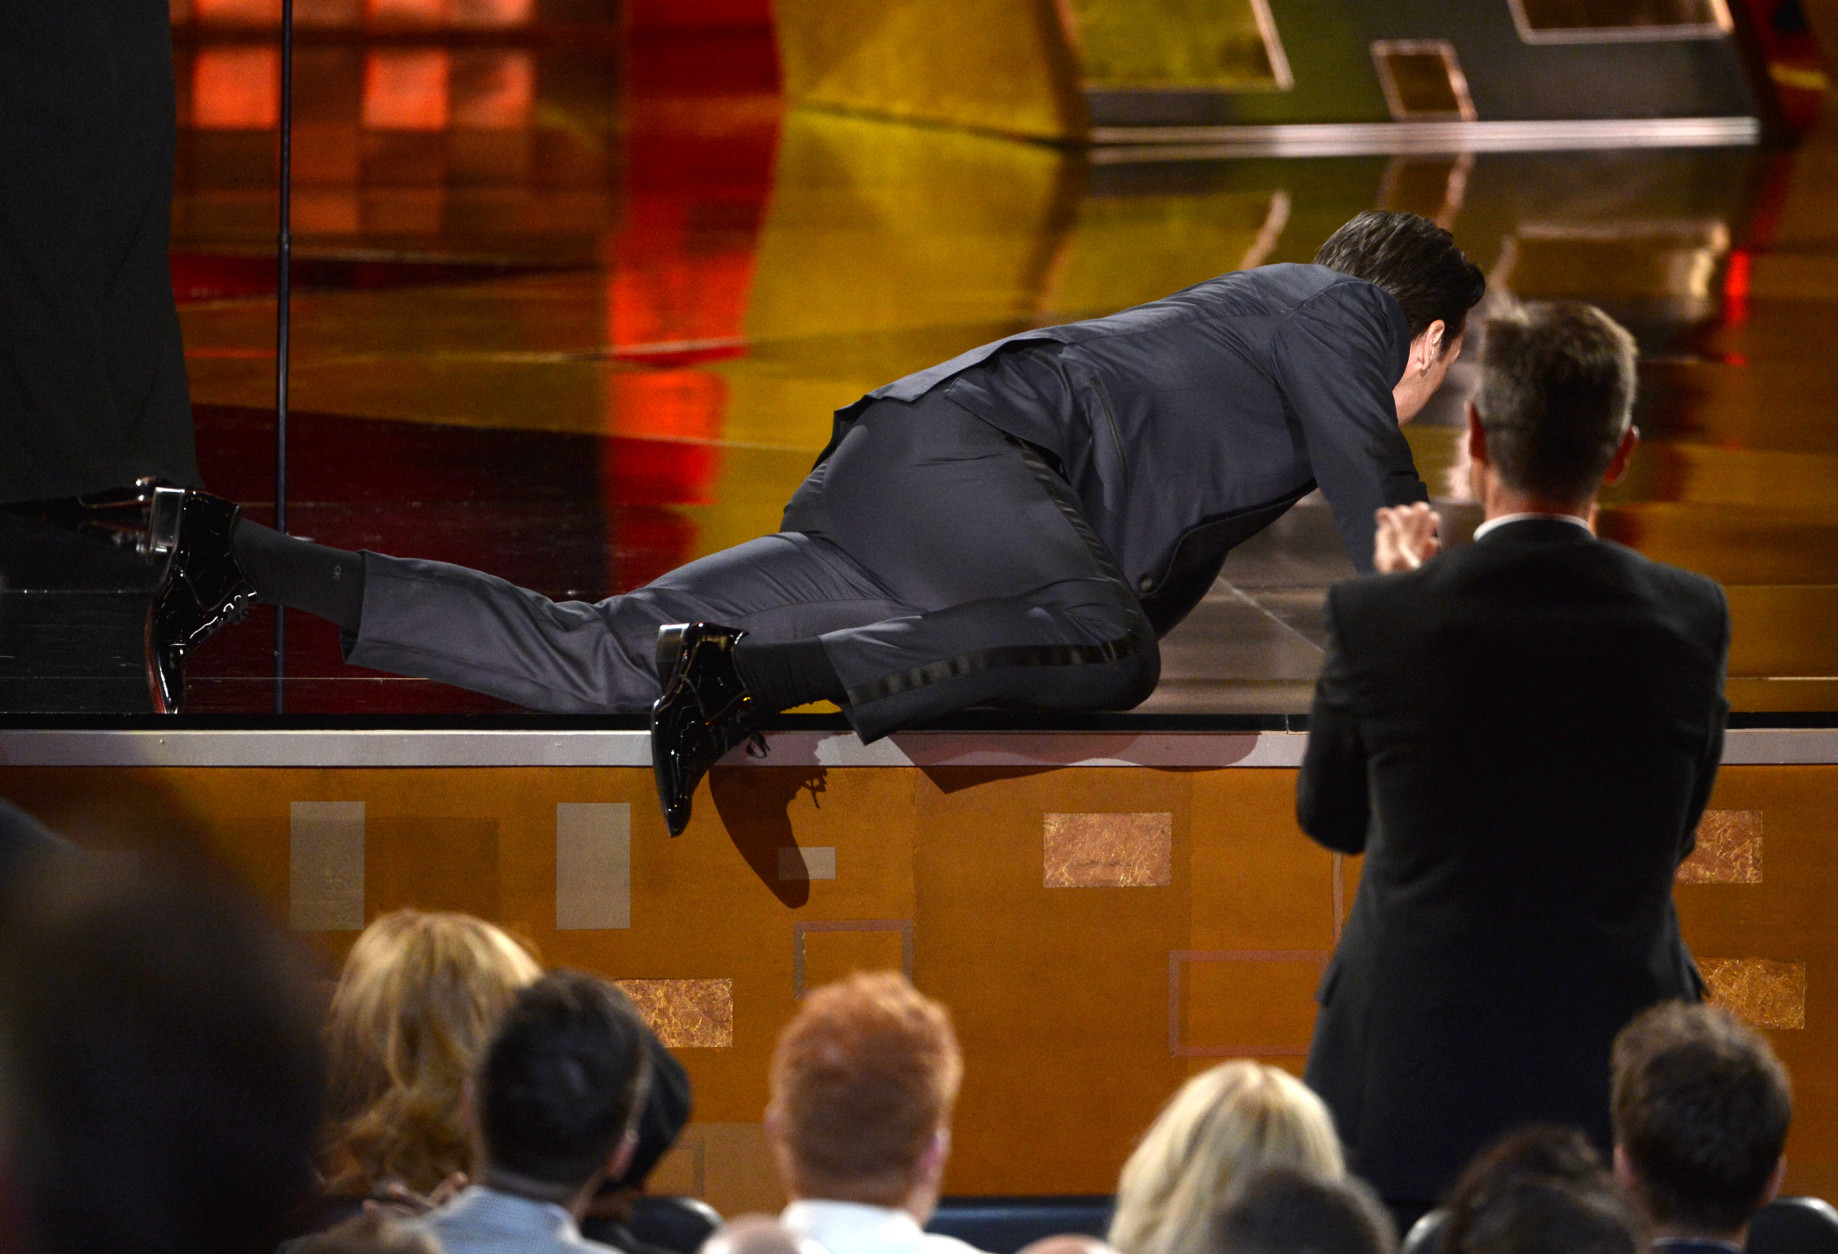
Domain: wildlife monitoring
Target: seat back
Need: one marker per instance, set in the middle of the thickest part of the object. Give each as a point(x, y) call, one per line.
point(680, 1224)
point(1425, 1236)
point(1002, 1225)
point(1794, 1225)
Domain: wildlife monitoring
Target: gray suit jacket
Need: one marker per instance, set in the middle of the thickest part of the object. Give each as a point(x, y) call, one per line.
point(1189, 424)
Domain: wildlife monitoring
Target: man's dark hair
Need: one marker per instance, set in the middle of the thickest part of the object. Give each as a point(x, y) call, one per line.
point(159, 1039)
point(1282, 1210)
point(1556, 394)
point(1413, 259)
point(1701, 1106)
point(1533, 1214)
point(1539, 1152)
point(561, 1082)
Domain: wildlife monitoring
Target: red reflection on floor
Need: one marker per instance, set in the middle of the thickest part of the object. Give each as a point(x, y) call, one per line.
point(236, 88)
point(699, 174)
point(405, 89)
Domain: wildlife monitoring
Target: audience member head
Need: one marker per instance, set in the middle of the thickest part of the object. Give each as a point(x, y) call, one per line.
point(1541, 1152)
point(1552, 421)
point(1068, 1243)
point(160, 1070)
point(757, 1234)
point(1283, 1210)
point(863, 1082)
point(1700, 1107)
point(666, 1112)
point(1224, 1124)
point(418, 999)
point(1533, 1214)
point(557, 1094)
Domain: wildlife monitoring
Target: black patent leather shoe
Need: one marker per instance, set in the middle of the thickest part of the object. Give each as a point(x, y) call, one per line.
point(203, 590)
point(705, 711)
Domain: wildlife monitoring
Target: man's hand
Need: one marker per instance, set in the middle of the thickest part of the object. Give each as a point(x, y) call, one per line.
point(1408, 536)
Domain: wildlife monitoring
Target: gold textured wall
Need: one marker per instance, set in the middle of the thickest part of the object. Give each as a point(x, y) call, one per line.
point(1123, 925)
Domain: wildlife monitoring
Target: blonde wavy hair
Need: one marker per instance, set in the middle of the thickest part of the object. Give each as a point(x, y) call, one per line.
point(419, 998)
point(1224, 1123)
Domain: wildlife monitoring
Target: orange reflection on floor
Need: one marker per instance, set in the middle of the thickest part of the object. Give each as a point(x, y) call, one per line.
point(236, 88)
point(406, 89)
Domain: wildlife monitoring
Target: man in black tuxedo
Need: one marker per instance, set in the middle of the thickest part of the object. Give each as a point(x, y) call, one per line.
point(1520, 735)
point(1016, 526)
point(1701, 1108)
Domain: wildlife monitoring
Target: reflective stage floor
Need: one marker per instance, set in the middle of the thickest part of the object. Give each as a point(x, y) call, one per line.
point(575, 309)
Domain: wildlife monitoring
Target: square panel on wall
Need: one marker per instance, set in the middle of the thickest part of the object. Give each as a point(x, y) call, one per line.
point(826, 951)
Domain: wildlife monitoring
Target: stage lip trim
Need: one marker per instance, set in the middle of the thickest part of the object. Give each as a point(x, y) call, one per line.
point(1117, 145)
point(1761, 746)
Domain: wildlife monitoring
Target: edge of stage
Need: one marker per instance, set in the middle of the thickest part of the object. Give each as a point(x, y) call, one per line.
point(814, 741)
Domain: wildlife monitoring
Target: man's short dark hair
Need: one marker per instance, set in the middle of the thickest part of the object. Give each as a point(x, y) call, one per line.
point(1556, 395)
point(1283, 1210)
point(1539, 1153)
point(1546, 1215)
point(1413, 259)
point(561, 1082)
point(1701, 1106)
point(162, 1062)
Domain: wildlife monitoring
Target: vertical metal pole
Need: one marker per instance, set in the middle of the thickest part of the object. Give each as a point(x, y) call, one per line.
point(283, 309)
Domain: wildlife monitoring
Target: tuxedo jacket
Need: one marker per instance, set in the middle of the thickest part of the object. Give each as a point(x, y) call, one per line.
point(1189, 424)
point(1520, 737)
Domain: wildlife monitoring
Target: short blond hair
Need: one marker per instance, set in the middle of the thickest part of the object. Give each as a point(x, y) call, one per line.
point(415, 1006)
point(862, 1079)
point(1222, 1125)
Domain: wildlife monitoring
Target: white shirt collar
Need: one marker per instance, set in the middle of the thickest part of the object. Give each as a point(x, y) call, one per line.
point(1493, 524)
point(827, 1220)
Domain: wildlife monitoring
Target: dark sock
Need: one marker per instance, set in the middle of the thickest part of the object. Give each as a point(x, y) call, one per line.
point(781, 676)
point(301, 574)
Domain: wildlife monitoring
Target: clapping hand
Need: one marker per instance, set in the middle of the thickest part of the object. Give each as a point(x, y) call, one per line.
point(1408, 536)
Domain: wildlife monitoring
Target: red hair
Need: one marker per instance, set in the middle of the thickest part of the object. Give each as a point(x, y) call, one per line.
point(862, 1080)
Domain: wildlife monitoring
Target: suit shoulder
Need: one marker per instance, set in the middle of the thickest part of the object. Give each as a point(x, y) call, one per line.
point(1357, 604)
point(1283, 286)
point(1673, 583)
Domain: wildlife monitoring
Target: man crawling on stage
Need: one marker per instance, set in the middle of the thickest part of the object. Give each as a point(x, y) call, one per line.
point(1018, 526)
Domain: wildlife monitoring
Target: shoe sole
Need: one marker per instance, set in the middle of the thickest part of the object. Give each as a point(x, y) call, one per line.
point(670, 654)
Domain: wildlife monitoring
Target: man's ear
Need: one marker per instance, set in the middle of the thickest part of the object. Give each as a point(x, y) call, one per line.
point(1624, 1170)
point(1624, 450)
point(1426, 349)
point(621, 1157)
point(1477, 437)
point(1775, 1181)
point(937, 1152)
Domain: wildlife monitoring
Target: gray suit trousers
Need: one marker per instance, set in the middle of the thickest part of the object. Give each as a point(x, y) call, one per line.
point(942, 563)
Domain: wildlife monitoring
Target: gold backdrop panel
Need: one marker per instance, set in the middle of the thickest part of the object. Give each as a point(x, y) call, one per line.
point(1225, 45)
point(998, 65)
point(1107, 850)
point(686, 1014)
point(1728, 849)
point(1762, 991)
